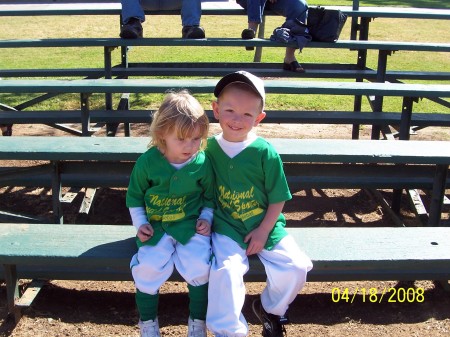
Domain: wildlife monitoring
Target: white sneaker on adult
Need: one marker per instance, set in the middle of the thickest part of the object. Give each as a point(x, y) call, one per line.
point(196, 328)
point(149, 328)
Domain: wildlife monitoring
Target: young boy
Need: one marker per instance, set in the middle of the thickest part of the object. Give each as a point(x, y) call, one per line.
point(251, 190)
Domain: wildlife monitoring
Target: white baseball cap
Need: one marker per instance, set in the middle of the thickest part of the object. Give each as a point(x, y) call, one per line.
point(241, 76)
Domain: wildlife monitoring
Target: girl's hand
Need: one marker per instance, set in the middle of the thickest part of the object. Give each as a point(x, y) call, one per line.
point(145, 232)
point(203, 227)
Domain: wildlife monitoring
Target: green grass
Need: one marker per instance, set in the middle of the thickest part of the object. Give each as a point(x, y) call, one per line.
point(231, 26)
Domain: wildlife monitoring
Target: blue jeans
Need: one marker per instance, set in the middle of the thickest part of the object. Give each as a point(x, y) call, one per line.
point(290, 9)
point(191, 10)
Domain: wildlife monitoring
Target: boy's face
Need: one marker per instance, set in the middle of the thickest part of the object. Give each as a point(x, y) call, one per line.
point(237, 111)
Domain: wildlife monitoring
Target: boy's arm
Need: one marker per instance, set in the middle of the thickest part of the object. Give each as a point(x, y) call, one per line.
point(257, 238)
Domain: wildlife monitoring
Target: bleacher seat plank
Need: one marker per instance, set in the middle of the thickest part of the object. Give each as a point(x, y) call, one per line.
point(272, 116)
point(369, 253)
point(107, 162)
point(213, 8)
point(343, 71)
point(221, 42)
point(291, 150)
point(208, 85)
point(338, 254)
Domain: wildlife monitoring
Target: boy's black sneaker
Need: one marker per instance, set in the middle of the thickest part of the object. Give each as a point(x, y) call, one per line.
point(193, 32)
point(273, 325)
point(132, 29)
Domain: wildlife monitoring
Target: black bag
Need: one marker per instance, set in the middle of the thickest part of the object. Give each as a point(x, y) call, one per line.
point(325, 25)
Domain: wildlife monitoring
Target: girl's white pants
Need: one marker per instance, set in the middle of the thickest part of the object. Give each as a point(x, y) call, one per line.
point(151, 266)
point(286, 268)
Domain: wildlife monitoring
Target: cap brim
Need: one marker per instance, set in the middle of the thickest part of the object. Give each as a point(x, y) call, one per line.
point(236, 77)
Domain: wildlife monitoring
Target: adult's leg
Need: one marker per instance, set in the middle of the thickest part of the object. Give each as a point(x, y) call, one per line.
point(290, 9)
point(227, 288)
point(132, 9)
point(191, 12)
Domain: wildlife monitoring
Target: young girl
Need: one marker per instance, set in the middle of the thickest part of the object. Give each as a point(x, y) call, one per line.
point(170, 198)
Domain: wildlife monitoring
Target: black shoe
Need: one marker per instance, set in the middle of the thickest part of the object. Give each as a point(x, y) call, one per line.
point(273, 325)
point(132, 29)
point(193, 32)
point(248, 34)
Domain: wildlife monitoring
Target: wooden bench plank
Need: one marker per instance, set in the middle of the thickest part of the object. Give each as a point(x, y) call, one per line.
point(103, 150)
point(313, 70)
point(221, 42)
point(272, 116)
point(387, 253)
point(213, 8)
point(299, 175)
point(291, 150)
point(208, 85)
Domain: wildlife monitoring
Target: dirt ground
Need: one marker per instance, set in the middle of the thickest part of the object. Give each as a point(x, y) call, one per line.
point(75, 308)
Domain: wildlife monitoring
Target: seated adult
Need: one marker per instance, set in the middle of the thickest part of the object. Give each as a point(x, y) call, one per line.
point(290, 9)
point(133, 15)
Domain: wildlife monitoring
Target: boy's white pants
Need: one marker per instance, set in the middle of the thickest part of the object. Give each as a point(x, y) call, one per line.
point(151, 266)
point(286, 268)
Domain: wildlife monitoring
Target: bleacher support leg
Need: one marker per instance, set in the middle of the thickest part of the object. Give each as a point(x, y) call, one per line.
point(381, 77)
point(12, 290)
point(258, 51)
point(56, 194)
point(396, 200)
point(108, 75)
point(361, 65)
point(405, 122)
point(437, 195)
point(85, 115)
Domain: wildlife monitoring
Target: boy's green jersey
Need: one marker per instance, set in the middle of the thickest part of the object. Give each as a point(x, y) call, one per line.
point(173, 199)
point(245, 186)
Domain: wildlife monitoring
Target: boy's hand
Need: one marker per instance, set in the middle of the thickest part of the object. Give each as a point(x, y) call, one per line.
point(256, 240)
point(203, 227)
point(145, 232)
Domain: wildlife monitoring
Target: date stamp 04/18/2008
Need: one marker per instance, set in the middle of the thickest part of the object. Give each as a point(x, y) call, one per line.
point(375, 295)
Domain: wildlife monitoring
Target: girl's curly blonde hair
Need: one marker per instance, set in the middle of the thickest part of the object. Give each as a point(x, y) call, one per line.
point(182, 112)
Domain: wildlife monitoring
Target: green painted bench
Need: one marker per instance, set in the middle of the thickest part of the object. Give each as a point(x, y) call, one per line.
point(365, 14)
point(313, 70)
point(103, 252)
point(409, 92)
point(357, 70)
point(309, 163)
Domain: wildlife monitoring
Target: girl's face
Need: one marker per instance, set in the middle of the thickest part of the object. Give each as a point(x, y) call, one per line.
point(238, 111)
point(179, 150)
